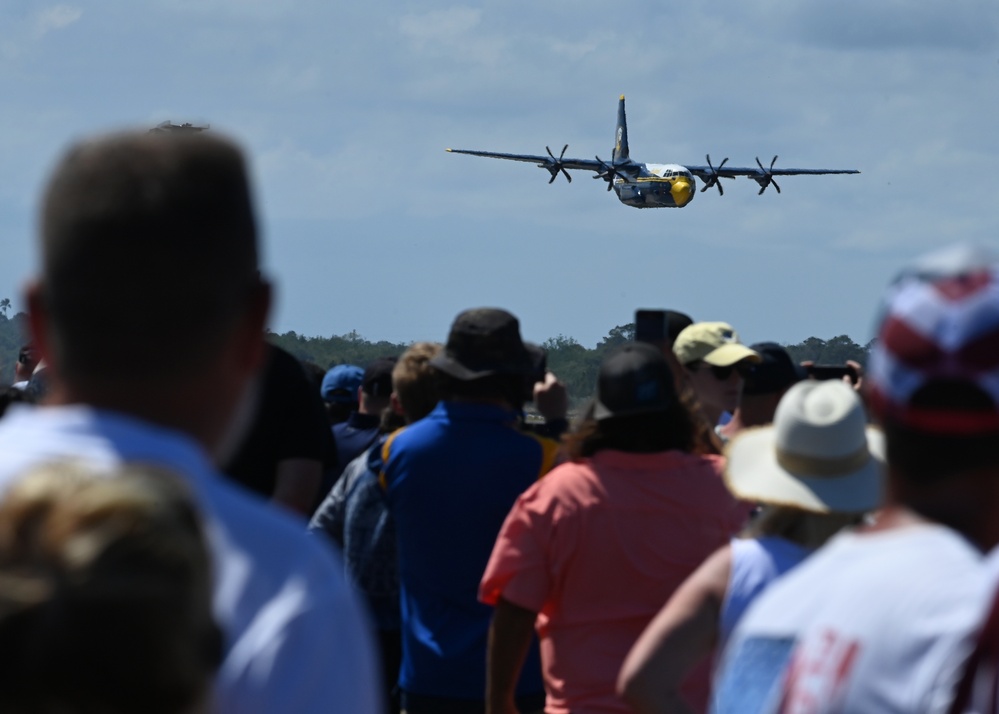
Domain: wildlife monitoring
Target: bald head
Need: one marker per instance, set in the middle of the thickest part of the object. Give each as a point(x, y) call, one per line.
point(149, 253)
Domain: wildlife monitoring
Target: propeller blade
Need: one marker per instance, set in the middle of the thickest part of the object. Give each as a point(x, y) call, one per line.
point(715, 176)
point(768, 177)
point(555, 165)
point(607, 173)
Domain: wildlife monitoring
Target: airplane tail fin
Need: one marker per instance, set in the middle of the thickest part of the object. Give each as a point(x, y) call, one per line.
point(621, 137)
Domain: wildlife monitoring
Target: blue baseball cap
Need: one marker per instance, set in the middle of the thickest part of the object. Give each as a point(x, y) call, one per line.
point(341, 383)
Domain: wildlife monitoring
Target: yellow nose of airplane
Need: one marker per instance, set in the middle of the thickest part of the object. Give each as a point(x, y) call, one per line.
point(682, 192)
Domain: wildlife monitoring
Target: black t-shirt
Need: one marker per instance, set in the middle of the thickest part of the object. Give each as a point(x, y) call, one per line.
point(290, 424)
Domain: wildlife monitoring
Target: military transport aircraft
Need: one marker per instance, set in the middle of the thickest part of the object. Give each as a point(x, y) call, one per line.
point(652, 185)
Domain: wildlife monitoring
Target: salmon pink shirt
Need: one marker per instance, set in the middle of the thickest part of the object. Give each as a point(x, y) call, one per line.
point(596, 548)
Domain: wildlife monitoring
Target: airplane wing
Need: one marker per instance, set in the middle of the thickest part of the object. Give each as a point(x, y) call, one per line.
point(554, 165)
point(704, 173)
point(764, 176)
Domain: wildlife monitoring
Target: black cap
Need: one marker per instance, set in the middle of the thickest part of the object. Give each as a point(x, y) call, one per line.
point(484, 341)
point(377, 380)
point(774, 373)
point(634, 379)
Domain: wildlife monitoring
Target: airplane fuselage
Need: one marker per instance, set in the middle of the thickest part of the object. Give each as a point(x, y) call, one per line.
point(657, 186)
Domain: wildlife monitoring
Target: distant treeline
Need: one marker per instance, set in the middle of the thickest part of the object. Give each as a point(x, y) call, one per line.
point(575, 365)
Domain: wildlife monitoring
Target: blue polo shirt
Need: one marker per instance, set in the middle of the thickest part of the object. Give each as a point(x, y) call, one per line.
point(451, 478)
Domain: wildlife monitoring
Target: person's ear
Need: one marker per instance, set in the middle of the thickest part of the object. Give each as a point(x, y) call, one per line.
point(38, 319)
point(250, 329)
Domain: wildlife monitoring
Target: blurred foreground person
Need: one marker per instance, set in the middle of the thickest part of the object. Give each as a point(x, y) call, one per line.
point(881, 618)
point(149, 252)
point(588, 555)
point(105, 595)
point(814, 420)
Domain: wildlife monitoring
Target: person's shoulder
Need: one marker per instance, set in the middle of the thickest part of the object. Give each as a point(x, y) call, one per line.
point(274, 539)
point(548, 450)
point(941, 548)
point(300, 631)
point(562, 491)
point(899, 568)
point(400, 439)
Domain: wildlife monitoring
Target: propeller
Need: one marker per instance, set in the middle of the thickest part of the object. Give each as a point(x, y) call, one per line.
point(713, 179)
point(555, 165)
point(768, 177)
point(608, 173)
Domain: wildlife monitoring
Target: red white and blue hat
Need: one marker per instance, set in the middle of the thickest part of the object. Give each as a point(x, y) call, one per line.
point(938, 341)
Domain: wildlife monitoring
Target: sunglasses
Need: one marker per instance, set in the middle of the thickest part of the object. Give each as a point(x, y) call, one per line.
point(723, 373)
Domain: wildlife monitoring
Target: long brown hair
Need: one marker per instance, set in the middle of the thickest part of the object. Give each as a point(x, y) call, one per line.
point(806, 528)
point(673, 428)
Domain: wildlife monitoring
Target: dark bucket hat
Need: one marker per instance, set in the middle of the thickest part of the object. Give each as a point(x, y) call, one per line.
point(484, 341)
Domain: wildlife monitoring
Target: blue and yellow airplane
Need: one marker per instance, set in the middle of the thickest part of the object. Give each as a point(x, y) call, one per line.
point(652, 185)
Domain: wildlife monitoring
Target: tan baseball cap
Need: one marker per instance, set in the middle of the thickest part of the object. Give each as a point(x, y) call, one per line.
point(716, 343)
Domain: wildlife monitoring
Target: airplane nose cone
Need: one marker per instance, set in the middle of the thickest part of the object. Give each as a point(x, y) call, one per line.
point(682, 192)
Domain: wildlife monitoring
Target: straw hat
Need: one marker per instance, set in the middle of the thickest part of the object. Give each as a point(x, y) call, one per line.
point(819, 454)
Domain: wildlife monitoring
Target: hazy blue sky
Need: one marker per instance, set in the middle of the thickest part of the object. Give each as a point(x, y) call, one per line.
point(346, 109)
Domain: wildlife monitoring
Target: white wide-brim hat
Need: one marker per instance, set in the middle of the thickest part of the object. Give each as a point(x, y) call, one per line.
point(819, 455)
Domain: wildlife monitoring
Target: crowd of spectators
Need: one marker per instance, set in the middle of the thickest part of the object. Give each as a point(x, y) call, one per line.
point(205, 524)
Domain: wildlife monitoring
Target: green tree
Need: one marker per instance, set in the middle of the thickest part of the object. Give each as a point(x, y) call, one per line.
point(617, 336)
point(575, 365)
point(835, 351)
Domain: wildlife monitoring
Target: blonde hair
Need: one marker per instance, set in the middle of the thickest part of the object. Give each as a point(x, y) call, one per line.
point(105, 593)
point(413, 380)
point(806, 528)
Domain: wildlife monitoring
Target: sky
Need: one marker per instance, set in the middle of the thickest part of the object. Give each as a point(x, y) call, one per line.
point(345, 110)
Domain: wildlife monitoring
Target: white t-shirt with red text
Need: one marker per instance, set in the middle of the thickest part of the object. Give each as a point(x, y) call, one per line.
point(872, 622)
